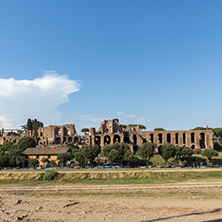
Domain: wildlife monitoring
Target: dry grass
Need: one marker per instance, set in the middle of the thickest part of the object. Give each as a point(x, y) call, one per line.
point(191, 193)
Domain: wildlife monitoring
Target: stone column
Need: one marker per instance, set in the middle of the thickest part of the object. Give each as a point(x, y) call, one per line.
point(173, 139)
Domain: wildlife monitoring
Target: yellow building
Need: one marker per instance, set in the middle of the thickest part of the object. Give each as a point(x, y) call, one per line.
point(42, 153)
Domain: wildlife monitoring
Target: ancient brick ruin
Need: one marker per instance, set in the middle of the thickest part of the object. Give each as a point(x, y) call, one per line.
point(110, 132)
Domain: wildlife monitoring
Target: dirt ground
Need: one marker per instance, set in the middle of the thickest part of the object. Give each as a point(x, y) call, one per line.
point(106, 208)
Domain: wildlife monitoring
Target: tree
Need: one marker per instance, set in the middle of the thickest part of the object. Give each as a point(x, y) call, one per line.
point(218, 134)
point(209, 154)
point(182, 153)
point(64, 157)
point(146, 151)
point(159, 129)
point(129, 157)
point(114, 156)
point(25, 142)
point(84, 130)
point(32, 124)
point(167, 151)
point(45, 160)
point(29, 124)
point(53, 162)
point(4, 160)
point(217, 146)
point(80, 158)
point(90, 152)
point(34, 162)
point(120, 148)
point(199, 128)
point(141, 127)
point(73, 148)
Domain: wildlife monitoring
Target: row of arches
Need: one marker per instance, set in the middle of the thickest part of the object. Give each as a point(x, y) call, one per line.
point(69, 139)
point(177, 138)
point(60, 140)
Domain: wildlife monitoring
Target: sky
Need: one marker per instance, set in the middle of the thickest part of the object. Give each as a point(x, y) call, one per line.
point(151, 62)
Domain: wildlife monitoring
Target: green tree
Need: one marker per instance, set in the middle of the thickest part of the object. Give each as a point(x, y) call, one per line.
point(32, 125)
point(29, 124)
point(14, 157)
point(146, 151)
point(114, 156)
point(167, 151)
point(129, 157)
point(182, 153)
point(64, 157)
point(4, 159)
point(141, 127)
point(218, 134)
point(80, 158)
point(53, 162)
point(217, 146)
point(45, 160)
point(25, 142)
point(84, 130)
point(7, 146)
point(159, 129)
point(90, 152)
point(34, 162)
point(209, 154)
point(120, 148)
point(199, 128)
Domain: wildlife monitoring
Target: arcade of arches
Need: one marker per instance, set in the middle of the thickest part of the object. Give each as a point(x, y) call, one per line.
point(110, 132)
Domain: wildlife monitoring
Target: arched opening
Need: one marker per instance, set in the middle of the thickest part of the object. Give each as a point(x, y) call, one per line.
point(192, 138)
point(116, 139)
point(168, 138)
point(151, 138)
point(160, 137)
point(193, 147)
point(97, 140)
point(107, 140)
point(184, 138)
point(176, 138)
point(126, 139)
point(76, 139)
point(202, 140)
point(144, 140)
point(58, 140)
point(70, 140)
point(134, 139)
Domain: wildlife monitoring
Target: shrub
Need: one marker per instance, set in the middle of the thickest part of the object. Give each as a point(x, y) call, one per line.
point(49, 174)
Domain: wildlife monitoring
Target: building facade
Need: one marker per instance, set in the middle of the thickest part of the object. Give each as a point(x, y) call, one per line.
point(111, 131)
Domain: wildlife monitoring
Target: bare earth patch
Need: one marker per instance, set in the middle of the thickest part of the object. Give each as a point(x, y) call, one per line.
point(161, 204)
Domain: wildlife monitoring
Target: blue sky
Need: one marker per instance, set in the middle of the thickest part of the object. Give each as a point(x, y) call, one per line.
point(156, 63)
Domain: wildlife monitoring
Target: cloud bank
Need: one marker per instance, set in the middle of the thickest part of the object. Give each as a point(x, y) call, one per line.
point(38, 98)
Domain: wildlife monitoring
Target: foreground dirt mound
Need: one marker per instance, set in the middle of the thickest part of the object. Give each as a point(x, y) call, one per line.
point(92, 208)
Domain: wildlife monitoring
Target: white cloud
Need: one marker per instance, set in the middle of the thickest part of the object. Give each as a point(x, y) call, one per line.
point(120, 113)
point(38, 98)
point(93, 119)
point(143, 120)
point(126, 115)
